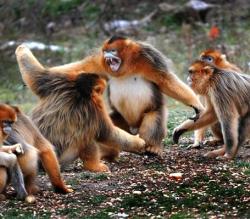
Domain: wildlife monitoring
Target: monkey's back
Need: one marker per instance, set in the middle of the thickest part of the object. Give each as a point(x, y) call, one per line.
point(230, 88)
point(67, 116)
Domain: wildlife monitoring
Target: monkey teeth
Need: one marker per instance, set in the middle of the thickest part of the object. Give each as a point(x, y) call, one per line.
point(114, 63)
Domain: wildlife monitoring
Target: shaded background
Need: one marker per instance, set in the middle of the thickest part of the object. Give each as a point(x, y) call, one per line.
point(61, 31)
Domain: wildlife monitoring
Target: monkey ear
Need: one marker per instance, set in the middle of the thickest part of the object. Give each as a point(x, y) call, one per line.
point(17, 110)
point(224, 57)
point(208, 69)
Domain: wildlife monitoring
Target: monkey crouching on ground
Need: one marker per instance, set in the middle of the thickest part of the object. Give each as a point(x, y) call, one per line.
point(10, 170)
point(138, 74)
point(35, 147)
point(228, 97)
point(219, 60)
point(72, 115)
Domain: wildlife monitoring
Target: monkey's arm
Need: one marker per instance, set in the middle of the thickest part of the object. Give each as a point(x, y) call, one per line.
point(172, 86)
point(206, 118)
point(17, 149)
point(91, 64)
point(9, 161)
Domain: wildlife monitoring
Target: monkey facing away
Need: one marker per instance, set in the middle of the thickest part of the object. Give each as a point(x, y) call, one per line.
point(138, 74)
point(219, 60)
point(72, 115)
point(9, 167)
point(228, 97)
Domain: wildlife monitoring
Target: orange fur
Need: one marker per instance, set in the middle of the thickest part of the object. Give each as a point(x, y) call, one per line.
point(74, 102)
point(149, 66)
point(133, 63)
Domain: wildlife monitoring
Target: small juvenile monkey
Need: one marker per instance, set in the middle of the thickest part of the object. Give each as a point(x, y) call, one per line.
point(9, 167)
point(138, 74)
point(228, 101)
point(219, 60)
point(72, 115)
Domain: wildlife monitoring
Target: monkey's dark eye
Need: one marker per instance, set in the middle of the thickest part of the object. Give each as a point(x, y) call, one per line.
point(190, 71)
point(7, 122)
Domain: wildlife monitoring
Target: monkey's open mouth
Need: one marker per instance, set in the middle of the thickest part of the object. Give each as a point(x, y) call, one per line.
point(112, 61)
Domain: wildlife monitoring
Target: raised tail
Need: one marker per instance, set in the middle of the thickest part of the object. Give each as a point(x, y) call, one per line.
point(30, 68)
point(27, 62)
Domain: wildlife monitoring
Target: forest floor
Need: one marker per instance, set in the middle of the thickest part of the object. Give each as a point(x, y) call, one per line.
point(142, 187)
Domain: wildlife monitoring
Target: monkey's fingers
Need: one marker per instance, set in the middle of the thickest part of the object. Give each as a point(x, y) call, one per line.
point(19, 149)
point(177, 133)
point(197, 114)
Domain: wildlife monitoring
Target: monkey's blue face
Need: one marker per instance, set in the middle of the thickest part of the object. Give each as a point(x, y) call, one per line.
point(7, 127)
point(208, 59)
point(112, 59)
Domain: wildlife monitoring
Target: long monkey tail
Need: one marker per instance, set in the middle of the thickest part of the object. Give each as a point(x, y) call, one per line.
point(27, 62)
point(29, 66)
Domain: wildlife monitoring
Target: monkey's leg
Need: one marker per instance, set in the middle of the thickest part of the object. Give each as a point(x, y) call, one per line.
point(207, 118)
point(153, 131)
point(216, 153)
point(119, 121)
point(3, 182)
point(28, 164)
point(230, 129)
point(91, 157)
point(243, 131)
point(51, 165)
point(108, 153)
point(199, 136)
point(18, 181)
point(217, 134)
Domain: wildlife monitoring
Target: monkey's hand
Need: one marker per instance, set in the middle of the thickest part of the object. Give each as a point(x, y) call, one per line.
point(182, 128)
point(18, 149)
point(197, 114)
point(140, 146)
point(177, 133)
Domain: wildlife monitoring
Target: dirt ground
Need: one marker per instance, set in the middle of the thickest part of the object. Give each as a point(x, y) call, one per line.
point(142, 187)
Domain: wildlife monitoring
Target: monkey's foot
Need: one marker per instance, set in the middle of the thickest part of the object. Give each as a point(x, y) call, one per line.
point(213, 143)
point(30, 199)
point(96, 167)
point(154, 150)
point(33, 189)
point(2, 197)
point(63, 189)
point(215, 153)
point(227, 156)
point(195, 146)
point(138, 147)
